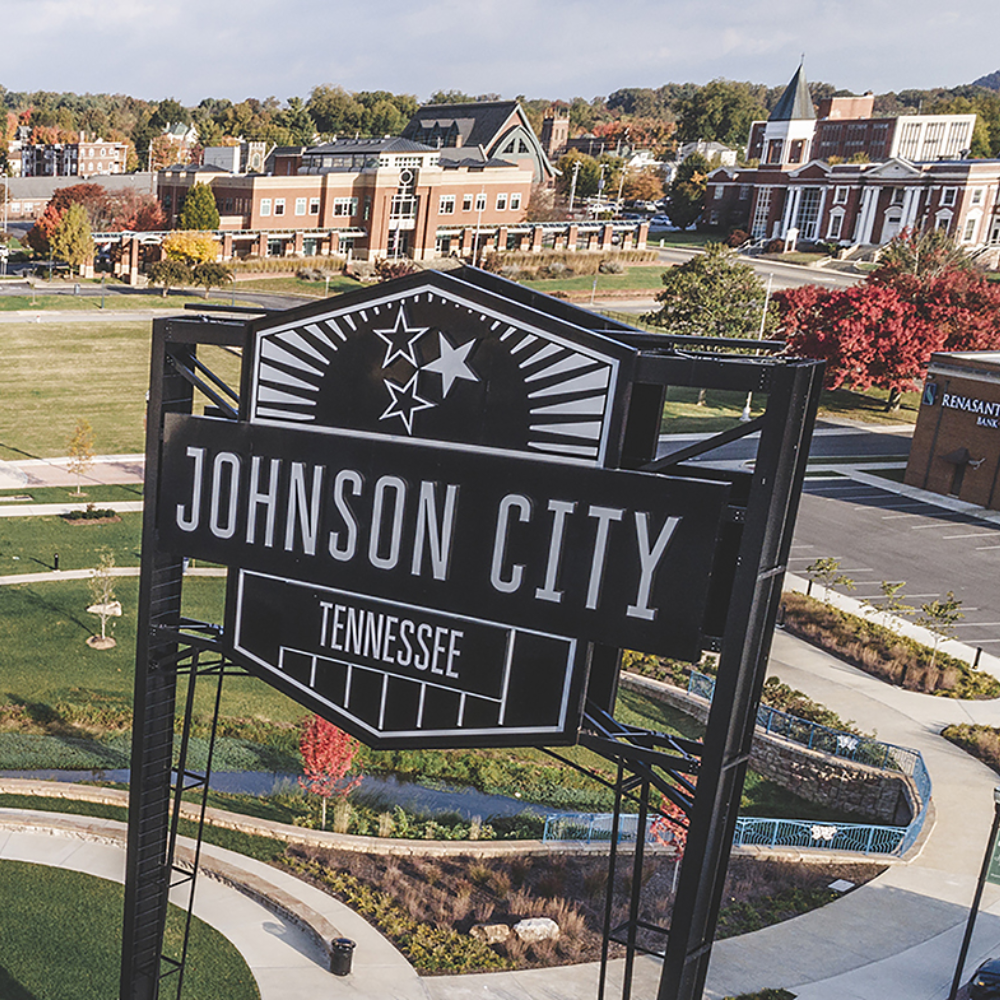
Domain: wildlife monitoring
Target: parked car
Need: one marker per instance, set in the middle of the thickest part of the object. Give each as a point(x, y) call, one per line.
point(660, 222)
point(986, 982)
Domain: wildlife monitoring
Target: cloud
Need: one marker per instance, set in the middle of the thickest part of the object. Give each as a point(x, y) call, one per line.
point(191, 49)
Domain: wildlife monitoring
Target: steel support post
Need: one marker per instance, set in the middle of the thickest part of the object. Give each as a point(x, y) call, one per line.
point(767, 534)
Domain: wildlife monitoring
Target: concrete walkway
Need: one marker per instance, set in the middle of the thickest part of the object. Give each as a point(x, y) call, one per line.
point(286, 962)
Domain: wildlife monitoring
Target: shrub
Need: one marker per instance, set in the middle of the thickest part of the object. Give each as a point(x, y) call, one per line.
point(737, 238)
point(611, 267)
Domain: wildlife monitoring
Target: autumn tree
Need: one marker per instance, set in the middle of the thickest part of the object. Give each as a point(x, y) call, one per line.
point(72, 241)
point(81, 452)
point(643, 185)
point(211, 274)
point(199, 211)
point(136, 212)
point(328, 760)
point(169, 274)
point(190, 247)
point(881, 333)
point(92, 197)
point(714, 294)
point(39, 236)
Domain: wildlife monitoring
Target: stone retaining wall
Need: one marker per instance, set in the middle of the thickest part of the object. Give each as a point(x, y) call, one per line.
point(887, 797)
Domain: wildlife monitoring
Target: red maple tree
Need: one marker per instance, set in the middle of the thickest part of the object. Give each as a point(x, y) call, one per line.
point(670, 826)
point(328, 758)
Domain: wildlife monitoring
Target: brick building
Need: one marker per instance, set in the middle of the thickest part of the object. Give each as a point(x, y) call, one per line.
point(86, 158)
point(373, 197)
point(847, 178)
point(956, 443)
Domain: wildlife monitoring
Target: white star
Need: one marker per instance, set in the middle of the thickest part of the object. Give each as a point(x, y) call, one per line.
point(452, 364)
point(405, 402)
point(400, 340)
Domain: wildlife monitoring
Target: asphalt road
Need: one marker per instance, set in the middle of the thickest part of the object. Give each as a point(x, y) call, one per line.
point(877, 534)
point(783, 275)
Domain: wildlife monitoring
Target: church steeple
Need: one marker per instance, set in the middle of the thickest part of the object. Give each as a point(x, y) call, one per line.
point(795, 104)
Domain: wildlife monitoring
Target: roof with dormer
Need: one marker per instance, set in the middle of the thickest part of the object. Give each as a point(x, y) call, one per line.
point(795, 103)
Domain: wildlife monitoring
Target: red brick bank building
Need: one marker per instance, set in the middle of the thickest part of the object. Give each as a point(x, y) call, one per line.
point(956, 444)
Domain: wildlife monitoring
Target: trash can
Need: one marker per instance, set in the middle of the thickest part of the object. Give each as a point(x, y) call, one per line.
point(341, 956)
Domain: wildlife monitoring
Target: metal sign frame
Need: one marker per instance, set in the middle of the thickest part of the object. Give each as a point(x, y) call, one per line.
point(744, 590)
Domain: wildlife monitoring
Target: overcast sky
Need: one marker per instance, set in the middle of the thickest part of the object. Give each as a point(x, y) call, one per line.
point(190, 49)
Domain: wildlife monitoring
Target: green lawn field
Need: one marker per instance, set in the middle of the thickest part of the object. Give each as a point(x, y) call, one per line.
point(54, 374)
point(28, 544)
point(60, 939)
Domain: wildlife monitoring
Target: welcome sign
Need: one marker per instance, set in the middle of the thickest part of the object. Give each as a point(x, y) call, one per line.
point(422, 519)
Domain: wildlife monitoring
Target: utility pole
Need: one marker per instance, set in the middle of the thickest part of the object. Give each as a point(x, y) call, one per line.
point(572, 188)
point(745, 415)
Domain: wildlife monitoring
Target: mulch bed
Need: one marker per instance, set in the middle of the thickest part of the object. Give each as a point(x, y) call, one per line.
point(457, 892)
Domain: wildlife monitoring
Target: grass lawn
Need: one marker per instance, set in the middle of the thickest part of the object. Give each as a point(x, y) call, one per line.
point(673, 238)
point(297, 286)
point(60, 939)
point(91, 302)
point(27, 544)
point(55, 374)
point(67, 494)
point(641, 277)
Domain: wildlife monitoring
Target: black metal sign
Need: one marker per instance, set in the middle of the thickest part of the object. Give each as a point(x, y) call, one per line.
point(423, 521)
point(402, 541)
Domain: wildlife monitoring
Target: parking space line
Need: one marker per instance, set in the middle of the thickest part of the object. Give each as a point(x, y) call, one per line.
point(986, 548)
point(978, 534)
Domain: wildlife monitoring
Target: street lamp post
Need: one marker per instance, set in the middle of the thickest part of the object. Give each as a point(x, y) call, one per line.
point(974, 910)
point(745, 415)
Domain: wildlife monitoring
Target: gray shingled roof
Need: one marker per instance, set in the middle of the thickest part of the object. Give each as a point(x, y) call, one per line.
point(350, 146)
point(478, 123)
point(795, 103)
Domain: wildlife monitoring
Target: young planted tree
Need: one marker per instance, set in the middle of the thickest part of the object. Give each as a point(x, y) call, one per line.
point(826, 572)
point(211, 274)
point(190, 247)
point(169, 274)
point(941, 617)
point(891, 603)
point(328, 758)
point(81, 452)
point(72, 241)
point(102, 599)
point(199, 210)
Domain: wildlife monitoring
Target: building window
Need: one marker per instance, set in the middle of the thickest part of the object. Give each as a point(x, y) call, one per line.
point(761, 212)
point(300, 206)
point(265, 206)
point(796, 151)
point(808, 214)
point(948, 196)
point(713, 219)
point(515, 201)
point(836, 224)
point(345, 206)
point(897, 196)
point(314, 206)
point(745, 190)
point(718, 191)
point(481, 202)
point(279, 206)
point(970, 229)
point(446, 206)
point(228, 206)
point(977, 196)
point(466, 202)
point(368, 208)
point(774, 151)
point(501, 203)
point(840, 196)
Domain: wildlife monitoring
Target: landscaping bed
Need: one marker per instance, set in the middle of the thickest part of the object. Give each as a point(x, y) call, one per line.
point(981, 742)
point(882, 653)
point(448, 896)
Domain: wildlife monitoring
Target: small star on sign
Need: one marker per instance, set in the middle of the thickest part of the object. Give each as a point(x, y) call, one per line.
point(405, 402)
point(401, 340)
point(452, 364)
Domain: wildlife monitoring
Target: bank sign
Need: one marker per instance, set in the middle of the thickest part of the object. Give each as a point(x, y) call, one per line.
point(424, 536)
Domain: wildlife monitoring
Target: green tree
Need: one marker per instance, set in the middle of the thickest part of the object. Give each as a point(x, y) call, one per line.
point(588, 178)
point(941, 617)
point(199, 210)
point(72, 241)
point(721, 111)
point(826, 571)
point(922, 254)
point(891, 604)
point(334, 110)
point(714, 294)
point(211, 274)
point(169, 274)
point(687, 191)
point(297, 120)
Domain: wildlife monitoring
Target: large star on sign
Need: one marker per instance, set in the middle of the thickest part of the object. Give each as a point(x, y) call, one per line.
point(405, 402)
point(452, 364)
point(400, 340)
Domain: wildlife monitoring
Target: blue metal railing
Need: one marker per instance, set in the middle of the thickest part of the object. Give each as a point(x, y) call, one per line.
point(813, 834)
